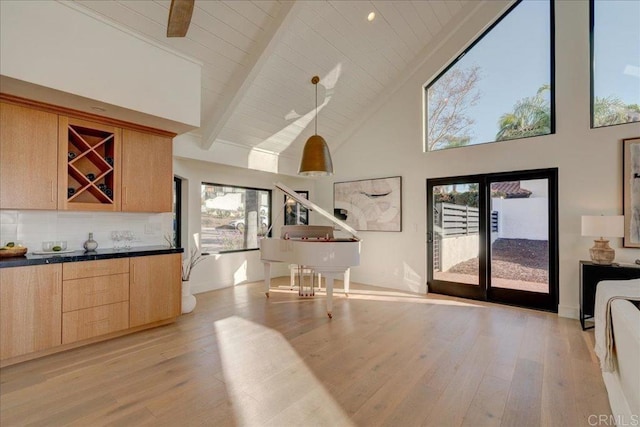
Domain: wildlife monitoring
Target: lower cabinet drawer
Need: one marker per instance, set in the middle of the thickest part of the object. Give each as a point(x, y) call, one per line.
point(94, 291)
point(102, 267)
point(92, 322)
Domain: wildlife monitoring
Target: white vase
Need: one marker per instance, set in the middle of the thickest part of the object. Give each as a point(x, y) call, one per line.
point(188, 300)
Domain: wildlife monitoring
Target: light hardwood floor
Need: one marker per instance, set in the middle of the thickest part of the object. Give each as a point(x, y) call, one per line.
point(386, 358)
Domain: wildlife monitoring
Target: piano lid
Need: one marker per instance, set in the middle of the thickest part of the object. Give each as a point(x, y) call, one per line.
point(312, 206)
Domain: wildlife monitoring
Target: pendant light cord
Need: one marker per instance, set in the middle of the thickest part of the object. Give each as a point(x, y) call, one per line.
point(315, 80)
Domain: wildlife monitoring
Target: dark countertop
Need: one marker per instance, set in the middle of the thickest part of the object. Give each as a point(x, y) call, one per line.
point(31, 259)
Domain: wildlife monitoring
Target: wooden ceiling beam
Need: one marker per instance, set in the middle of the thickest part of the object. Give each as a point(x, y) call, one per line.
point(241, 82)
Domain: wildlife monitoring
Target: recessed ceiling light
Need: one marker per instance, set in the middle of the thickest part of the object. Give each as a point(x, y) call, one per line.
point(371, 16)
point(100, 109)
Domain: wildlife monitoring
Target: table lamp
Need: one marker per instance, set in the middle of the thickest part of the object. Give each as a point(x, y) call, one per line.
point(602, 226)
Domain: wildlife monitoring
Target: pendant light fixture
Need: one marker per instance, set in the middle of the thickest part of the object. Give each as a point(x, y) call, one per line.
point(316, 158)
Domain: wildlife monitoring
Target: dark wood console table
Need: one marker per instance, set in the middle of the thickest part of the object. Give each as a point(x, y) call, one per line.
point(590, 275)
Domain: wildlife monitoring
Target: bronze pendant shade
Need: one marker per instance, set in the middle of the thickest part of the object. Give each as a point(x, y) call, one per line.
point(316, 158)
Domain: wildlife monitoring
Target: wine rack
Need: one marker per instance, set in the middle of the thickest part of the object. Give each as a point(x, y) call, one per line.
point(91, 154)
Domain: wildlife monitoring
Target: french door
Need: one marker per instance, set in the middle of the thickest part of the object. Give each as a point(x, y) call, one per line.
point(494, 237)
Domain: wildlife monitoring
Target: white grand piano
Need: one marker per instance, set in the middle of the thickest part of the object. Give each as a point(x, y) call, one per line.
point(313, 247)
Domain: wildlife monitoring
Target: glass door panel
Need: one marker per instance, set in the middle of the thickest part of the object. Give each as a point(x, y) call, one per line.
point(519, 235)
point(494, 237)
point(455, 238)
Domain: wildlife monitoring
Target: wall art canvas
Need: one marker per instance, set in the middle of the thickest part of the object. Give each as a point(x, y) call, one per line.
point(294, 212)
point(631, 186)
point(369, 204)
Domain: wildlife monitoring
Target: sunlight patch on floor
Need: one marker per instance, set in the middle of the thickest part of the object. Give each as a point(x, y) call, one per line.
point(375, 295)
point(267, 382)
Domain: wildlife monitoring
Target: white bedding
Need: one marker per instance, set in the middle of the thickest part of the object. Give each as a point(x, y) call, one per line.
point(606, 292)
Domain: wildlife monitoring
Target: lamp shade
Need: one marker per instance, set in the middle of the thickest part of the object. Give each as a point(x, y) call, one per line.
point(316, 158)
point(603, 226)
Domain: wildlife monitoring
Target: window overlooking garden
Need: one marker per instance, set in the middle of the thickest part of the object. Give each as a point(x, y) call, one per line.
point(615, 58)
point(233, 218)
point(500, 87)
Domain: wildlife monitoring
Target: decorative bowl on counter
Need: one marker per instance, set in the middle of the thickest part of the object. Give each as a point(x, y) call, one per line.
point(12, 251)
point(54, 246)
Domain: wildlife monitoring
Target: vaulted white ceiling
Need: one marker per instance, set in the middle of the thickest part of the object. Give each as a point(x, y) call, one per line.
point(259, 56)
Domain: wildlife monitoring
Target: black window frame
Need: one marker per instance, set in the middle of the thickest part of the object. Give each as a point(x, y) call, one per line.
point(483, 291)
point(287, 220)
point(269, 226)
point(592, 64)
point(552, 79)
point(177, 188)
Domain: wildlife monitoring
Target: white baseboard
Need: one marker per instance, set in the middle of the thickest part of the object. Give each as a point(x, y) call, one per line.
point(198, 288)
point(569, 312)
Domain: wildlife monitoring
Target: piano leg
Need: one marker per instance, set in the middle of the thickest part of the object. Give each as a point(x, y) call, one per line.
point(329, 285)
point(267, 278)
point(347, 276)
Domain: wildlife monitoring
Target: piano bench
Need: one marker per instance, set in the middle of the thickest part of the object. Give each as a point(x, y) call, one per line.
point(295, 268)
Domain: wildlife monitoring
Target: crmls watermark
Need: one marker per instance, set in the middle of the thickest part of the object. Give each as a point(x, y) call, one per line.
point(614, 420)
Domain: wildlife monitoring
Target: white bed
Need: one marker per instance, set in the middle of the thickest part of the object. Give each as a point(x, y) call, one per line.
point(617, 335)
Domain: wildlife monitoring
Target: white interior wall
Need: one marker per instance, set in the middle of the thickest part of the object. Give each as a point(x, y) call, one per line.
point(32, 227)
point(189, 146)
point(63, 48)
point(589, 160)
point(223, 270)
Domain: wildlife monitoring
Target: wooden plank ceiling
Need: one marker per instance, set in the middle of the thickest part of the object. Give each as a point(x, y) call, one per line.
point(259, 56)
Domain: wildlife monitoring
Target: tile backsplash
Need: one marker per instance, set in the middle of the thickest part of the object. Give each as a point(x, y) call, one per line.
point(31, 228)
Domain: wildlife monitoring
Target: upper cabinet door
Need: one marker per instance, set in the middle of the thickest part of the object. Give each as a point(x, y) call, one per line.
point(28, 158)
point(89, 159)
point(147, 172)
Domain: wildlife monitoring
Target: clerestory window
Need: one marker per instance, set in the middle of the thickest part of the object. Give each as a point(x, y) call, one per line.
point(615, 62)
point(501, 87)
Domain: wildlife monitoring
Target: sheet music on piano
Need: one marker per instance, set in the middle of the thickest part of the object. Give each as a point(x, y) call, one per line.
point(313, 247)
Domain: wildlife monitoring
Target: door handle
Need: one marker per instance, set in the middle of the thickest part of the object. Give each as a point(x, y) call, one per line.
point(429, 237)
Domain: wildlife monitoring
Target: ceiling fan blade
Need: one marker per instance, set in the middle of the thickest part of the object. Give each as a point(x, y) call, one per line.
point(179, 17)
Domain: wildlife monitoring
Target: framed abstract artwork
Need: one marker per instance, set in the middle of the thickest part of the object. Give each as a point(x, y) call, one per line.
point(369, 204)
point(631, 184)
point(294, 212)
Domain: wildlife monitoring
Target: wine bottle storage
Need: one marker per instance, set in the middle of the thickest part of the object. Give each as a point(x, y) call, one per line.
point(89, 166)
point(91, 150)
point(79, 161)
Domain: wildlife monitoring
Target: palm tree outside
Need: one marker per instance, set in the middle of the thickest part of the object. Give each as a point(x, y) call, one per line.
point(531, 116)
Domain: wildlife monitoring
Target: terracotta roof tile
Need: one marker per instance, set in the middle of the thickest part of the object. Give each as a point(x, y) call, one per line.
point(511, 189)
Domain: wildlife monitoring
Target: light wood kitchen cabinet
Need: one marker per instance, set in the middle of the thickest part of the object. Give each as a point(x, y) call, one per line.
point(52, 157)
point(94, 291)
point(92, 322)
point(147, 172)
point(95, 298)
point(155, 288)
point(89, 165)
point(102, 267)
point(30, 309)
point(49, 308)
point(28, 158)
